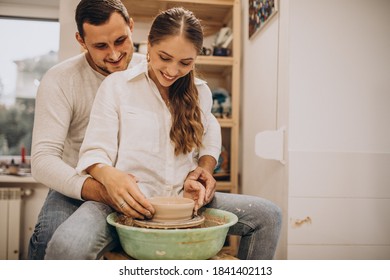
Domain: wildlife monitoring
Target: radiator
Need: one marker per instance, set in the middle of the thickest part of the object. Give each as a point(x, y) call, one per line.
point(10, 213)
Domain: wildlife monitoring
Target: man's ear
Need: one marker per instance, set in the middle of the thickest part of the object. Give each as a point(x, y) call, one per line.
point(80, 40)
point(131, 25)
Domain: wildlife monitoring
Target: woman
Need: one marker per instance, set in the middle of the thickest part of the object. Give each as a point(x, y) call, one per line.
point(163, 113)
point(154, 122)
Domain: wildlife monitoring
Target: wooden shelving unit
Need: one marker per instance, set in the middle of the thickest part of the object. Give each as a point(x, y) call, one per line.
point(218, 71)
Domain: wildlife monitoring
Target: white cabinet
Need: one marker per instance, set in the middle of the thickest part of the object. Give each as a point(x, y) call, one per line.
point(10, 214)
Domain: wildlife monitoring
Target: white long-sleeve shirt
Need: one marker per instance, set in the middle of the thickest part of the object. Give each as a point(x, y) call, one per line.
point(63, 104)
point(129, 129)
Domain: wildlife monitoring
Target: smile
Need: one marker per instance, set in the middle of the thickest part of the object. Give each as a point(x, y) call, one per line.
point(170, 78)
point(117, 61)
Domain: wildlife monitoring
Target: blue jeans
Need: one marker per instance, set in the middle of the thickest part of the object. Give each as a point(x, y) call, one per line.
point(71, 229)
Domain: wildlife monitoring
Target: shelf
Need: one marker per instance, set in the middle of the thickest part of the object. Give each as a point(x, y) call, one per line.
point(224, 186)
point(225, 122)
point(214, 65)
point(17, 179)
point(214, 60)
point(217, 14)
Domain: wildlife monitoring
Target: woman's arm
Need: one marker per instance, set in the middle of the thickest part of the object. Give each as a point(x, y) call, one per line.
point(99, 151)
point(123, 190)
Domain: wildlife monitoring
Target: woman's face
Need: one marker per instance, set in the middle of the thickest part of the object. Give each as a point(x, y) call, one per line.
point(171, 59)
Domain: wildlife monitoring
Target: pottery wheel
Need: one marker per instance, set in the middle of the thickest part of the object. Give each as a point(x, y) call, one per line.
point(195, 221)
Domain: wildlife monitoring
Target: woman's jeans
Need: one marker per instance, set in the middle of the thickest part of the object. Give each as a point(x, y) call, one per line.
point(68, 229)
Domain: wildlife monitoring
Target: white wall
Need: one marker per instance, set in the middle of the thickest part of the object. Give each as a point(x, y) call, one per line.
point(339, 129)
point(31, 10)
point(332, 88)
point(68, 43)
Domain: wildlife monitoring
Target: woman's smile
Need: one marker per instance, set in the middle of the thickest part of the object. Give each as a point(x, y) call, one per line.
point(168, 77)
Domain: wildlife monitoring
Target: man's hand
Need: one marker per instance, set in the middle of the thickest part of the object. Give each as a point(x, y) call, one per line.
point(93, 190)
point(196, 191)
point(206, 179)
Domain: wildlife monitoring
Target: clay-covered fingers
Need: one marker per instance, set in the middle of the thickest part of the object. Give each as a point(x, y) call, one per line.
point(196, 191)
point(207, 180)
point(201, 197)
point(210, 185)
point(131, 208)
point(138, 205)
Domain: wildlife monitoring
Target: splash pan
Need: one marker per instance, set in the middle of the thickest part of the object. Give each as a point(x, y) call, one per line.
point(200, 243)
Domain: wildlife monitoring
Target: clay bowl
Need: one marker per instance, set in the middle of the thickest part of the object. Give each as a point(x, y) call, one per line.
point(199, 243)
point(170, 209)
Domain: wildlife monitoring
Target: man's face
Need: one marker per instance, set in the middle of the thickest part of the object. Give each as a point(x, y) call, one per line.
point(109, 46)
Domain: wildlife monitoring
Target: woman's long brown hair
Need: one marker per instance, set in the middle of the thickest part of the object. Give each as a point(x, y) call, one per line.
point(187, 128)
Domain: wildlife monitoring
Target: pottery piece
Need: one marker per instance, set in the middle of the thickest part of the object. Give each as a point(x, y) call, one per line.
point(170, 209)
point(194, 222)
point(176, 244)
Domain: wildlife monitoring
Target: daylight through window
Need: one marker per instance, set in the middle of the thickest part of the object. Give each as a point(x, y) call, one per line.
point(28, 49)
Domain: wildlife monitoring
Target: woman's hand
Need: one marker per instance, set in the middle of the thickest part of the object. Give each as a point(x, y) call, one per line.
point(123, 190)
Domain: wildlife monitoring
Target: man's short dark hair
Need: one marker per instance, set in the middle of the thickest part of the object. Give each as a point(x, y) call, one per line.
point(97, 12)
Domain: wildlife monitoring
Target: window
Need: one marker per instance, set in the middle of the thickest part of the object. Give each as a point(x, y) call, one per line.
point(28, 49)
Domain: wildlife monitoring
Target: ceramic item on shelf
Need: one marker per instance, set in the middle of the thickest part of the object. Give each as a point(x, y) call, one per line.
point(13, 168)
point(222, 105)
point(222, 166)
point(224, 37)
point(206, 51)
point(218, 51)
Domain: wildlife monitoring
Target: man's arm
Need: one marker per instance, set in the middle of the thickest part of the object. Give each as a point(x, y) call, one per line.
point(53, 115)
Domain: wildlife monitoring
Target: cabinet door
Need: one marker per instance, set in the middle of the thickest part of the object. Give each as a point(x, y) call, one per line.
point(3, 224)
point(10, 212)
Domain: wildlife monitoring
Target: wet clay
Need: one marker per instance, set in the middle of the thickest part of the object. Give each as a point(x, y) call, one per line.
point(172, 209)
point(210, 221)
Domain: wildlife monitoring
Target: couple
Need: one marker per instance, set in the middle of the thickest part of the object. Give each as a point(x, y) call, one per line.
point(149, 131)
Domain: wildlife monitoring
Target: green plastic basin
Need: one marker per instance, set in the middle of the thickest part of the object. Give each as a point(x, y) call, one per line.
point(175, 244)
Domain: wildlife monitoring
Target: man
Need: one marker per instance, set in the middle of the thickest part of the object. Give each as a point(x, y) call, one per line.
point(63, 105)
